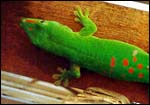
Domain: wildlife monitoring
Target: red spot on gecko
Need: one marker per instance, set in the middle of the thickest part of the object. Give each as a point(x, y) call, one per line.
point(125, 62)
point(140, 75)
point(112, 63)
point(134, 59)
point(131, 70)
point(30, 29)
point(30, 21)
point(140, 66)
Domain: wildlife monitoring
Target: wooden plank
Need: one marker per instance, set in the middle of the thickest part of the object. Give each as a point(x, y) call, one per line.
point(22, 88)
point(113, 21)
point(9, 101)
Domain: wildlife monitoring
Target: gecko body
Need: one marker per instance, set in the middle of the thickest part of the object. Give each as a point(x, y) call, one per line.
point(112, 58)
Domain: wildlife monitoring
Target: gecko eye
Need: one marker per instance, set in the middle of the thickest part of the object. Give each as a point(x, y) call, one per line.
point(42, 21)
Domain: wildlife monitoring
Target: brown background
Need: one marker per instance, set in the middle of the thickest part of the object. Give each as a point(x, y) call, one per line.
point(114, 22)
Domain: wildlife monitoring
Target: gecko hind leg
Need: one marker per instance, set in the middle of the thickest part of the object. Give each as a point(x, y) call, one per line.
point(65, 75)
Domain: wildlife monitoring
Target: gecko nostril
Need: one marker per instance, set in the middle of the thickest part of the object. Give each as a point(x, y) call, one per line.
point(42, 21)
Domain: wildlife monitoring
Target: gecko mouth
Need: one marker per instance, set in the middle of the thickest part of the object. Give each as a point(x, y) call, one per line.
point(22, 21)
point(25, 23)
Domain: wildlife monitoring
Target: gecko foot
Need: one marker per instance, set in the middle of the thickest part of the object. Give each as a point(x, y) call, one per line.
point(79, 14)
point(63, 77)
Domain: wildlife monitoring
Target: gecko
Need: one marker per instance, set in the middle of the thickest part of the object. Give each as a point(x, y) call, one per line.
point(108, 57)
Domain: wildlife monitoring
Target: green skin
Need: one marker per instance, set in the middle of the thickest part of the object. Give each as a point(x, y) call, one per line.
point(110, 58)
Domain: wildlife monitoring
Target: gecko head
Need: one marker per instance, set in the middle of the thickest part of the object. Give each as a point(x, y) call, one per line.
point(43, 31)
point(36, 29)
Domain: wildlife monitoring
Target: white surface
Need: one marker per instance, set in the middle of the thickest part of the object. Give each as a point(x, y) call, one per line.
point(15, 99)
point(23, 89)
point(131, 4)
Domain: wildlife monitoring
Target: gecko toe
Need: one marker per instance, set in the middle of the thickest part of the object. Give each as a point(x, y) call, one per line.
point(62, 77)
point(57, 83)
point(66, 82)
point(77, 20)
point(56, 76)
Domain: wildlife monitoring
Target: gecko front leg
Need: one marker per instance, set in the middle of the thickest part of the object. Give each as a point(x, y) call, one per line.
point(65, 75)
point(89, 27)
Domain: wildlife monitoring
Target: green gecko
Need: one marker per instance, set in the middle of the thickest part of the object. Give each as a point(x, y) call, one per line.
point(112, 58)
